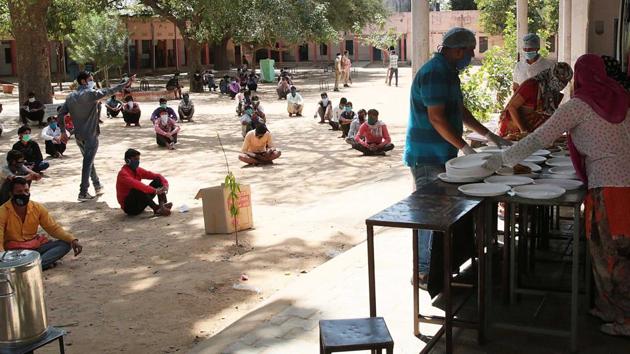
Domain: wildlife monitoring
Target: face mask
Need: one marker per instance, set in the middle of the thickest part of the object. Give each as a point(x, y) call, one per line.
point(164, 119)
point(463, 62)
point(26, 137)
point(348, 109)
point(130, 104)
point(325, 101)
point(530, 55)
point(53, 126)
point(19, 165)
point(91, 85)
point(185, 99)
point(249, 112)
point(32, 99)
point(21, 199)
point(162, 105)
point(372, 120)
point(133, 164)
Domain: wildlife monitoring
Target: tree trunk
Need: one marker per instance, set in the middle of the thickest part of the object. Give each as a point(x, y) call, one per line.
point(221, 61)
point(194, 63)
point(28, 20)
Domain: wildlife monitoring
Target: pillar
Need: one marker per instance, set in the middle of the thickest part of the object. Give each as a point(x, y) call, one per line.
point(268, 53)
point(579, 29)
point(13, 58)
point(521, 24)
point(297, 54)
point(420, 28)
point(356, 48)
point(564, 31)
point(138, 55)
point(207, 55)
point(176, 47)
point(329, 51)
point(371, 54)
point(403, 44)
point(152, 46)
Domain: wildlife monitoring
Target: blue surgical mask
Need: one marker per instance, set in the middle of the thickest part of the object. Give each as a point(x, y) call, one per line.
point(464, 62)
point(53, 126)
point(530, 55)
point(162, 105)
point(91, 85)
point(348, 109)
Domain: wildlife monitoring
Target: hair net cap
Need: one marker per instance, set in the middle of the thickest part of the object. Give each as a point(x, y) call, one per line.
point(459, 37)
point(531, 40)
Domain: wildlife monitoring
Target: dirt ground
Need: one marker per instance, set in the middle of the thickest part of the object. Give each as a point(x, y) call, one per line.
point(159, 285)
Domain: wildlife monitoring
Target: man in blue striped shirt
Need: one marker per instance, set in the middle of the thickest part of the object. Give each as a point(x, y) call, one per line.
point(436, 120)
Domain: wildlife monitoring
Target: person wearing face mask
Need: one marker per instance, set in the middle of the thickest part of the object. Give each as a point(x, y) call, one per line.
point(244, 98)
point(133, 195)
point(131, 112)
point(531, 63)
point(234, 88)
point(283, 88)
point(33, 110)
point(534, 101)
point(166, 130)
point(30, 149)
point(186, 108)
point(324, 109)
point(52, 138)
point(346, 119)
point(82, 105)
point(337, 112)
point(14, 168)
point(437, 116)
point(163, 107)
point(174, 86)
point(373, 136)
point(250, 120)
point(113, 107)
point(258, 147)
point(21, 218)
point(295, 103)
point(355, 125)
point(259, 110)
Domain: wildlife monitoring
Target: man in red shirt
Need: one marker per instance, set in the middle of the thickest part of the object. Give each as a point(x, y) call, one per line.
point(133, 195)
point(373, 137)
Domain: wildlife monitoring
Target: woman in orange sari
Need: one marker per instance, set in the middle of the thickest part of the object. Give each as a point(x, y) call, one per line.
point(534, 102)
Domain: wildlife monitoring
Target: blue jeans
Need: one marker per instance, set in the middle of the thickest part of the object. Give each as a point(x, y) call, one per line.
point(88, 149)
point(52, 251)
point(40, 166)
point(424, 174)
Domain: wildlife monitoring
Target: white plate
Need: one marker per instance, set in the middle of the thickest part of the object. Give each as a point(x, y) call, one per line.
point(468, 161)
point(568, 184)
point(454, 179)
point(542, 152)
point(562, 170)
point(561, 153)
point(557, 176)
point(490, 150)
point(509, 180)
point(560, 161)
point(484, 189)
point(543, 191)
point(535, 159)
point(508, 171)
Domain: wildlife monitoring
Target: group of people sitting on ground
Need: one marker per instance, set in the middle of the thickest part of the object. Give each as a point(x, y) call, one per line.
point(370, 136)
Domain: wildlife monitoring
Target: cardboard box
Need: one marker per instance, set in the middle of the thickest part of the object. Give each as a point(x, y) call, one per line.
point(216, 209)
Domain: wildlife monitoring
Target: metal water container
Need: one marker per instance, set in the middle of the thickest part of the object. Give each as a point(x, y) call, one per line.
point(22, 307)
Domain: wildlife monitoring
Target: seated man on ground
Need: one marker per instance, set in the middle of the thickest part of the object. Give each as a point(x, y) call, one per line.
point(223, 85)
point(131, 112)
point(252, 82)
point(259, 111)
point(283, 88)
point(250, 120)
point(163, 106)
point(346, 119)
point(186, 108)
point(244, 99)
point(337, 111)
point(324, 109)
point(20, 219)
point(373, 137)
point(234, 88)
point(174, 85)
point(135, 196)
point(166, 130)
point(355, 125)
point(209, 80)
point(258, 147)
point(33, 110)
point(113, 106)
point(30, 149)
point(55, 146)
point(14, 168)
point(295, 103)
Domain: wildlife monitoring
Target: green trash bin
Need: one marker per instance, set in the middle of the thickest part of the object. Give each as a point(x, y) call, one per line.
point(268, 72)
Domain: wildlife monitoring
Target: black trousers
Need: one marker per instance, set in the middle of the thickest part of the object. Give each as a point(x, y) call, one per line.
point(112, 113)
point(37, 116)
point(137, 201)
point(345, 129)
point(393, 72)
point(367, 151)
point(52, 149)
point(334, 125)
point(131, 118)
point(163, 141)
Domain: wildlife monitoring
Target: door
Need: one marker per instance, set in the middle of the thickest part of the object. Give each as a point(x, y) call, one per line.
point(5, 58)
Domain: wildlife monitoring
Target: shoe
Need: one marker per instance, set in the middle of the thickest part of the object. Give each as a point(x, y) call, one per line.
point(346, 85)
point(299, 115)
point(163, 211)
point(336, 90)
point(100, 190)
point(127, 125)
point(168, 206)
point(85, 197)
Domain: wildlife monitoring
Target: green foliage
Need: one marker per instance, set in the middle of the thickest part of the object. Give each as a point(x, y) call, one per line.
point(477, 94)
point(99, 38)
point(5, 18)
point(377, 35)
point(457, 5)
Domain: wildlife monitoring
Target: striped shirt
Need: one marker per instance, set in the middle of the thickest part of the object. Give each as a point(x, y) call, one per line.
point(393, 61)
point(436, 83)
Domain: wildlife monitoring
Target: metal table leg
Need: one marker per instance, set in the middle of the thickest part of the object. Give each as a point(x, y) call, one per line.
point(371, 275)
point(416, 291)
point(481, 272)
point(512, 258)
point(575, 277)
point(448, 311)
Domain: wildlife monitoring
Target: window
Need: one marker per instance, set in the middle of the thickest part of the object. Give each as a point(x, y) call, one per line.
point(323, 49)
point(350, 46)
point(7, 55)
point(483, 44)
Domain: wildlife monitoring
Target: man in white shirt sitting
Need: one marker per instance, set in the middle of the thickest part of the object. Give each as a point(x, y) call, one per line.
point(186, 108)
point(334, 120)
point(531, 63)
point(55, 147)
point(393, 67)
point(295, 103)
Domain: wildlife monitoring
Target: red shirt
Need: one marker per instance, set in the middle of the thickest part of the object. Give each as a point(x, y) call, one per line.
point(372, 134)
point(129, 179)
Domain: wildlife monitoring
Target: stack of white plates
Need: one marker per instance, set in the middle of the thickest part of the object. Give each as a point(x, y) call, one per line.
point(561, 153)
point(563, 172)
point(535, 159)
point(453, 179)
point(484, 189)
point(543, 191)
point(511, 181)
point(542, 152)
point(490, 149)
point(560, 161)
point(568, 184)
point(470, 166)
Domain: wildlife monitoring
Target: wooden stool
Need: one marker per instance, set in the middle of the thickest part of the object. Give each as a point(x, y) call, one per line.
point(354, 334)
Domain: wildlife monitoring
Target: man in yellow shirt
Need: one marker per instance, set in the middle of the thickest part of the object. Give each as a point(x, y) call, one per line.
point(258, 147)
point(19, 220)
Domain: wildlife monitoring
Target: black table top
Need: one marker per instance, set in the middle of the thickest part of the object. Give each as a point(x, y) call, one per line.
point(428, 212)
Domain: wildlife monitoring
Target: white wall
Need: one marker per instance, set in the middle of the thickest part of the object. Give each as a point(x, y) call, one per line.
point(602, 14)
